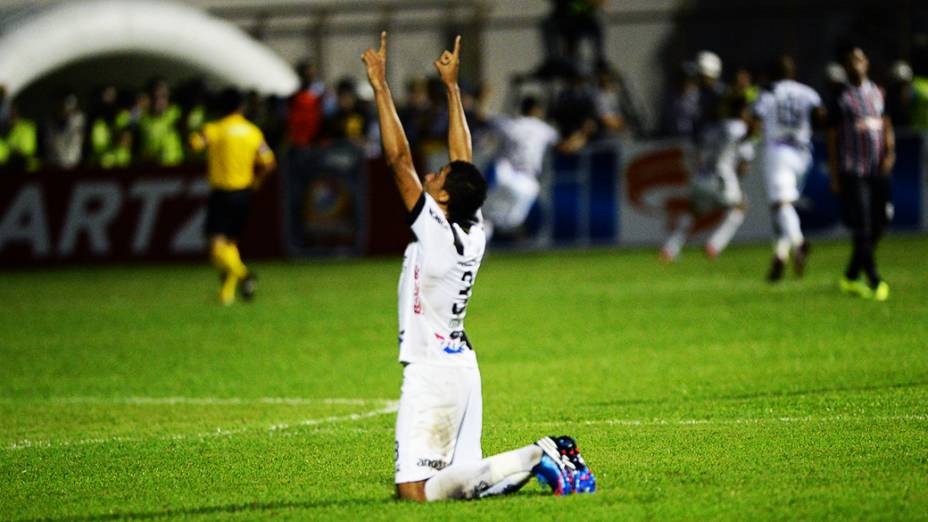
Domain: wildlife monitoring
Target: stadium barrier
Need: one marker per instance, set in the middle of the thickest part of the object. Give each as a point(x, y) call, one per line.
point(629, 192)
point(335, 201)
point(137, 215)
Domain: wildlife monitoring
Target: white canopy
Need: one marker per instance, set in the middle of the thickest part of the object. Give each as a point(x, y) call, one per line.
point(47, 39)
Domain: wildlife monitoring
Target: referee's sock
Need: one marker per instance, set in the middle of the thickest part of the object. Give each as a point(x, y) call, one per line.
point(227, 258)
point(496, 475)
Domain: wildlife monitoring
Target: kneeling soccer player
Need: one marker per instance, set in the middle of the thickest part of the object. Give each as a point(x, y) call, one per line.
point(438, 454)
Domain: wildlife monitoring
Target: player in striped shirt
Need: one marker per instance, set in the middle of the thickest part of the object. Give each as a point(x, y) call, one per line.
point(862, 152)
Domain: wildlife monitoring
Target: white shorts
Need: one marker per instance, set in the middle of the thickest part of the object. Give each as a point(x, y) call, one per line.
point(722, 190)
point(511, 198)
point(439, 422)
point(786, 168)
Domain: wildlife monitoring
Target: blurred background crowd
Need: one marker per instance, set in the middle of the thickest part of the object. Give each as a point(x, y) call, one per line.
point(579, 87)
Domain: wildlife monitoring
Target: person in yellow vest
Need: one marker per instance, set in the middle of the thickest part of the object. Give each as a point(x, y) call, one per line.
point(19, 144)
point(238, 160)
point(159, 128)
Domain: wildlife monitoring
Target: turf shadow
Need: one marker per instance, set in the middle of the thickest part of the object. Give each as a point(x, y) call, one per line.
point(250, 507)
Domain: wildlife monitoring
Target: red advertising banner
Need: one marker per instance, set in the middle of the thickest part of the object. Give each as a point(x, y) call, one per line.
point(90, 216)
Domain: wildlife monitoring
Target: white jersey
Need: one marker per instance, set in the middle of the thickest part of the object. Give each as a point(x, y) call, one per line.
point(723, 147)
point(439, 270)
point(784, 111)
point(526, 139)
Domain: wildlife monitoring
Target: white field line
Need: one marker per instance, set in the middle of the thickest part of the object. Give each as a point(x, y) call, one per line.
point(385, 407)
point(759, 420)
point(199, 401)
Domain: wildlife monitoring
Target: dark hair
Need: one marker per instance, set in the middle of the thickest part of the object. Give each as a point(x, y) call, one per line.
point(846, 48)
point(529, 104)
point(467, 190)
point(783, 68)
point(346, 85)
point(230, 100)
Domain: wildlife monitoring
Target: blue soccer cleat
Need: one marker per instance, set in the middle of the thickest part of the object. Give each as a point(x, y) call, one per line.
point(562, 468)
point(549, 472)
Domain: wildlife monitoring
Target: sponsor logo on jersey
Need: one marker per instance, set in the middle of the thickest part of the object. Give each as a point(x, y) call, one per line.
point(431, 463)
point(439, 219)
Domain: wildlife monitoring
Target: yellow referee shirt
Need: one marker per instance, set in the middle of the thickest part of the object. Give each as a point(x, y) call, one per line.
point(233, 145)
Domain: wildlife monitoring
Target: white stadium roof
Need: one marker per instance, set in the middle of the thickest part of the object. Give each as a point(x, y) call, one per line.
point(37, 41)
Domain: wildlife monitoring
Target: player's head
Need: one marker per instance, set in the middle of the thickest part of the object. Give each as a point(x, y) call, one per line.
point(460, 187)
point(855, 62)
point(531, 107)
point(784, 68)
point(709, 66)
point(230, 100)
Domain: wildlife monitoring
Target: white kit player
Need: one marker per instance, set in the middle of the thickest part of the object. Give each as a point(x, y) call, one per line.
point(723, 154)
point(784, 113)
point(525, 139)
point(439, 424)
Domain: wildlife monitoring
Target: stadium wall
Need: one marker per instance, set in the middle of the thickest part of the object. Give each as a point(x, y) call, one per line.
point(334, 201)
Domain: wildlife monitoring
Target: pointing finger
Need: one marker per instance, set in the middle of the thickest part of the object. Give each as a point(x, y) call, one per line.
point(457, 46)
point(383, 42)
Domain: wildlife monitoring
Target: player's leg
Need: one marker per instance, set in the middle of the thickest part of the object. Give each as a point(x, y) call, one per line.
point(500, 197)
point(472, 476)
point(674, 243)
point(524, 189)
point(219, 216)
point(853, 211)
point(237, 276)
point(783, 191)
point(431, 410)
point(732, 199)
point(722, 235)
point(801, 160)
point(426, 409)
point(882, 215)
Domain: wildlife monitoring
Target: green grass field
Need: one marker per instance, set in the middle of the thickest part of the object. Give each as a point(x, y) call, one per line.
point(696, 391)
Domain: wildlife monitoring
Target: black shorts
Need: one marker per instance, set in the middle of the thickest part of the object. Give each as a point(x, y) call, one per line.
point(226, 212)
point(864, 203)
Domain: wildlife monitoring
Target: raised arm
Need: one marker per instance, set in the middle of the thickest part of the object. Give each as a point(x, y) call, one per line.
point(395, 145)
point(459, 145)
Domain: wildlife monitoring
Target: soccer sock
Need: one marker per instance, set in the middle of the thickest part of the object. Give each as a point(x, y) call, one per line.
point(788, 220)
point(677, 238)
point(863, 250)
point(723, 234)
point(496, 475)
point(229, 259)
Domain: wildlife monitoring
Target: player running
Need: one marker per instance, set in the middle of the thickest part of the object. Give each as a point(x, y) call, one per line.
point(525, 139)
point(784, 113)
point(439, 424)
point(723, 156)
point(238, 160)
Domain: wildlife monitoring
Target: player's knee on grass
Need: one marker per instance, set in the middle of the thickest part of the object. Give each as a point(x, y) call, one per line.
point(411, 491)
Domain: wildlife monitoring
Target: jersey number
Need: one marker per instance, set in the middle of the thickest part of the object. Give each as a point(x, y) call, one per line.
point(460, 306)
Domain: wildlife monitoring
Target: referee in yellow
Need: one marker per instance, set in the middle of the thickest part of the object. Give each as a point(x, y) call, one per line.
point(238, 160)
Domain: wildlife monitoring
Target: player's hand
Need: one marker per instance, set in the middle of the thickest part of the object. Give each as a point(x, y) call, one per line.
point(376, 63)
point(447, 63)
point(886, 166)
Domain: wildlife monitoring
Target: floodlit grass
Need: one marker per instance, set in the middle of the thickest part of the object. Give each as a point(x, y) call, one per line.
point(695, 390)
